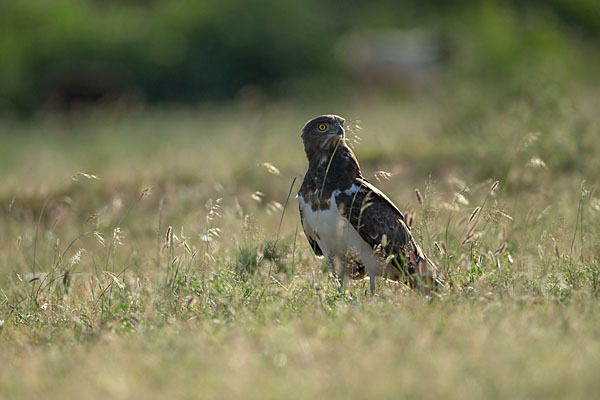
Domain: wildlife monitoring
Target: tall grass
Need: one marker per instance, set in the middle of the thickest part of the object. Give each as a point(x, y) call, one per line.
point(138, 260)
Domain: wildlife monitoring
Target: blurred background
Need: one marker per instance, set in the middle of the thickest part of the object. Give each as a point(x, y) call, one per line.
point(194, 98)
point(67, 54)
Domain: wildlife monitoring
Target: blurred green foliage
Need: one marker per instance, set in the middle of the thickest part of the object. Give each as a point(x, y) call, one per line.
point(181, 50)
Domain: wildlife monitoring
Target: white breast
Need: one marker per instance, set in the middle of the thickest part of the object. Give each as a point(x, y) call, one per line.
point(336, 237)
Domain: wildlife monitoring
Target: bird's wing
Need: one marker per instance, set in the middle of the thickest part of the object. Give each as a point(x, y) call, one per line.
point(381, 224)
point(313, 243)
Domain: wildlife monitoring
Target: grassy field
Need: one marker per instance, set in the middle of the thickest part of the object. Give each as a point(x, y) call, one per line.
point(150, 253)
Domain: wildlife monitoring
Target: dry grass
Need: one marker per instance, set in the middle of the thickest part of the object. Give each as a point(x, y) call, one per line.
point(148, 255)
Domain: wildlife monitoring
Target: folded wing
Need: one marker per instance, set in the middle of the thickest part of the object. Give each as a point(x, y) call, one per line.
point(381, 224)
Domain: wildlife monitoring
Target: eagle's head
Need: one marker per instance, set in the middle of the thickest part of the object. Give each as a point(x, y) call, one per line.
point(321, 135)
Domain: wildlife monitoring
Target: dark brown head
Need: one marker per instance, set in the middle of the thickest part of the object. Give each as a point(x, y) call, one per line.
point(322, 134)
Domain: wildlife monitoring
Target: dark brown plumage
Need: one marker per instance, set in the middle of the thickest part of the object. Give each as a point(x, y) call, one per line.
point(347, 219)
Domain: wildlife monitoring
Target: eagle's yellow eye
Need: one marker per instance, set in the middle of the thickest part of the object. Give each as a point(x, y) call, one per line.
point(322, 127)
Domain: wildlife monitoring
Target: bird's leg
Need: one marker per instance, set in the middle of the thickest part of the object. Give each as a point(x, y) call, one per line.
point(331, 263)
point(343, 269)
point(372, 283)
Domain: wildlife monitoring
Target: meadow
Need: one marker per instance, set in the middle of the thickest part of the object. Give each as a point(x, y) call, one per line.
point(156, 252)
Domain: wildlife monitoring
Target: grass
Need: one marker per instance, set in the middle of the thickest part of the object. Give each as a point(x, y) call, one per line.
point(149, 253)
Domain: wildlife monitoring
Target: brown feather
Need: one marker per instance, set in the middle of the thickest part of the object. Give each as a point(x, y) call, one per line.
point(333, 168)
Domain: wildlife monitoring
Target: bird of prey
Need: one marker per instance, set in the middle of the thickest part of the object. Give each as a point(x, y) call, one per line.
point(349, 221)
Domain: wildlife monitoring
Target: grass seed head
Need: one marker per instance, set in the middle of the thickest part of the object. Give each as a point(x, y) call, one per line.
point(467, 238)
point(461, 199)
point(500, 249)
point(419, 196)
point(271, 169)
point(169, 237)
point(536, 162)
point(410, 218)
point(99, 238)
point(257, 196)
point(474, 213)
point(437, 246)
point(382, 175)
point(144, 193)
point(505, 215)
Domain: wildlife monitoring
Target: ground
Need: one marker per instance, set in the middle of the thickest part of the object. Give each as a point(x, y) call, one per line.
point(157, 252)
